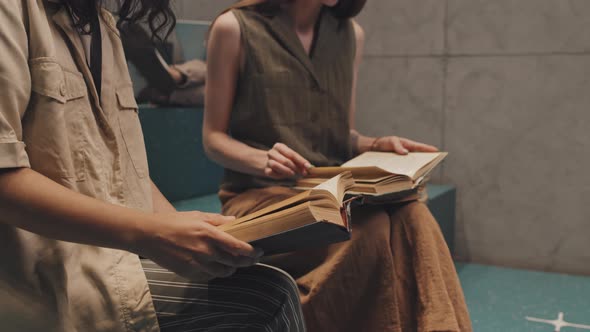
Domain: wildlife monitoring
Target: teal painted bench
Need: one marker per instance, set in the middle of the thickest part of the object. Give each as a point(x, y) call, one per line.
point(180, 168)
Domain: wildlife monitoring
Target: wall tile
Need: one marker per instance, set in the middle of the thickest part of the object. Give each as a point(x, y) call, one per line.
point(518, 132)
point(518, 26)
point(401, 96)
point(401, 27)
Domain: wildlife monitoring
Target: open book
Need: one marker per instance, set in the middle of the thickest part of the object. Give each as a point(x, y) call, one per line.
point(380, 173)
point(314, 218)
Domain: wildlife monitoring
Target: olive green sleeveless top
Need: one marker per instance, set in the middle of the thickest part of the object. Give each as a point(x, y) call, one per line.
point(283, 95)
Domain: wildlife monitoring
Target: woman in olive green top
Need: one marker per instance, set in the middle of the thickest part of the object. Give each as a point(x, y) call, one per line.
point(280, 98)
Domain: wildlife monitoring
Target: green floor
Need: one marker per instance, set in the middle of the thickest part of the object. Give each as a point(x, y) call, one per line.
point(500, 299)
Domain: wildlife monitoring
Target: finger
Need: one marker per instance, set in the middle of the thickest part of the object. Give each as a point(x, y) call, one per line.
point(280, 168)
point(278, 157)
point(397, 146)
point(210, 218)
point(217, 219)
point(273, 175)
point(218, 270)
point(231, 245)
point(417, 146)
point(220, 256)
point(269, 173)
point(286, 151)
point(301, 162)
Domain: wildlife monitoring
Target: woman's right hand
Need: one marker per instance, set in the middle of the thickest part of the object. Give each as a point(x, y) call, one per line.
point(190, 244)
point(283, 163)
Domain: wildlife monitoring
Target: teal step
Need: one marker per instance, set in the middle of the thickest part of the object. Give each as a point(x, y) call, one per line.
point(500, 299)
point(208, 203)
point(442, 200)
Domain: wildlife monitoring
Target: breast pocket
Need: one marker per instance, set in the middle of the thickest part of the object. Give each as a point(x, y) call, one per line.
point(55, 123)
point(131, 129)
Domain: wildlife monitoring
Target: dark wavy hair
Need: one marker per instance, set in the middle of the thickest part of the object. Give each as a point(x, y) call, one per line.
point(157, 14)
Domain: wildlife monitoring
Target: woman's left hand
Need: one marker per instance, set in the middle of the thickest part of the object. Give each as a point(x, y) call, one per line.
point(400, 145)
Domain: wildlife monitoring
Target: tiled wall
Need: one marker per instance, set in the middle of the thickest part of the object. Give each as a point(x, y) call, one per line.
point(504, 86)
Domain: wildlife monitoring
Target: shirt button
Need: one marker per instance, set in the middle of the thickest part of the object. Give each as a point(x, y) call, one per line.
point(62, 90)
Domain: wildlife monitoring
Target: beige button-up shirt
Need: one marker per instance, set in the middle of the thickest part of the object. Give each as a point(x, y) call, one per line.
point(53, 121)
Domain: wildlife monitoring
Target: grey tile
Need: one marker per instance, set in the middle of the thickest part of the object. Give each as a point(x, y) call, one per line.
point(401, 96)
point(517, 129)
point(401, 27)
point(518, 26)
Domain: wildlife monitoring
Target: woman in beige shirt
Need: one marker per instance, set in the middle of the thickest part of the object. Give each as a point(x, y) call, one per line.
point(77, 205)
point(280, 98)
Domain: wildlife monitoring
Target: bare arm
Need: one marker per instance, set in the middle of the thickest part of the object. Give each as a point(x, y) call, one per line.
point(224, 56)
point(361, 143)
point(30, 201)
point(187, 243)
point(223, 65)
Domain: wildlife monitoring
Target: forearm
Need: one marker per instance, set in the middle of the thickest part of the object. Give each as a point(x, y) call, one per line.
point(360, 143)
point(160, 202)
point(30, 201)
point(234, 154)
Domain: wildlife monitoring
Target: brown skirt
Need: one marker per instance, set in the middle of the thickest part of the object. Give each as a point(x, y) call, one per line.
point(395, 274)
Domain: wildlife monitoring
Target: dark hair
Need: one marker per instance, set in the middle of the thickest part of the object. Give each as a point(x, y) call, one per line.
point(348, 8)
point(344, 8)
point(157, 14)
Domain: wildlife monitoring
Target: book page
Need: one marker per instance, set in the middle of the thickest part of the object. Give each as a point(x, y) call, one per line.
point(370, 172)
point(407, 165)
point(337, 185)
point(334, 187)
point(289, 202)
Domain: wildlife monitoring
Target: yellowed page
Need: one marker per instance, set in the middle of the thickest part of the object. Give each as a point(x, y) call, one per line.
point(337, 185)
point(302, 197)
point(407, 165)
point(334, 187)
point(370, 172)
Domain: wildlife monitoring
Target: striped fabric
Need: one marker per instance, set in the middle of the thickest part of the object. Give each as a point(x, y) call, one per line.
point(259, 298)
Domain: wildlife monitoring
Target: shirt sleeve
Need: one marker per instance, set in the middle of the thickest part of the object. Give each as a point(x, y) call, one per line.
point(15, 84)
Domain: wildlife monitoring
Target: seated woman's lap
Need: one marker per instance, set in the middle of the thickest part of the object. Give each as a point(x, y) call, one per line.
point(397, 257)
